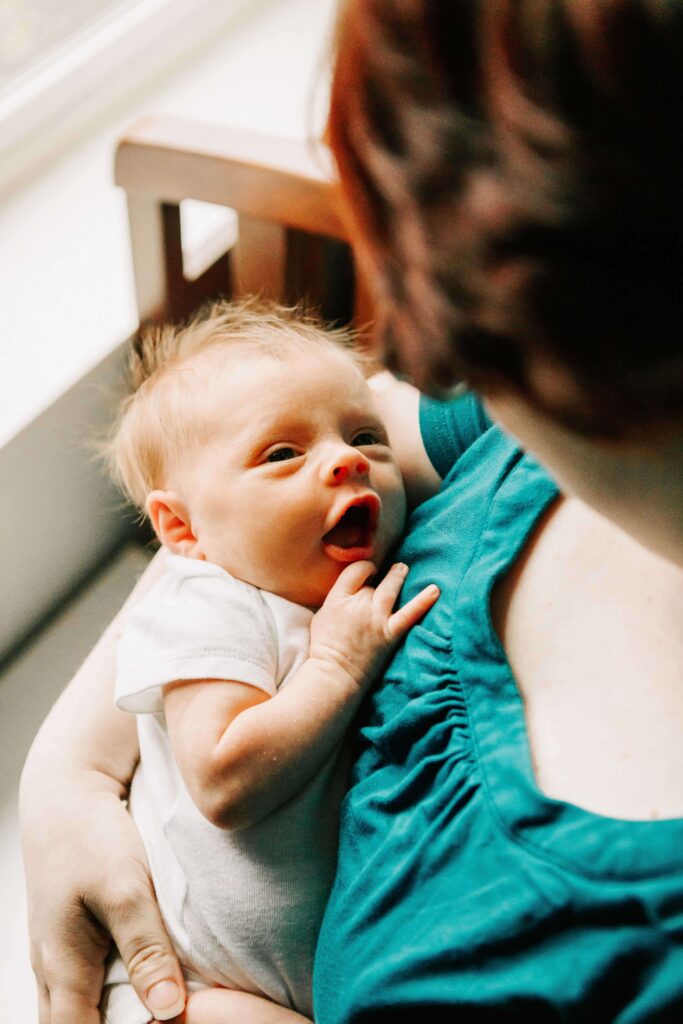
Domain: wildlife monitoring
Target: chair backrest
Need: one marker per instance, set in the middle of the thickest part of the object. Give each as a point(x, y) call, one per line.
point(290, 243)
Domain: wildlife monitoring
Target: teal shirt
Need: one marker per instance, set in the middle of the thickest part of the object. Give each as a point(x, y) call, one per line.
point(463, 894)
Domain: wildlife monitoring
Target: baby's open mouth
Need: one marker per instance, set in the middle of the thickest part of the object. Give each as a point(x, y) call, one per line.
point(352, 530)
point(352, 536)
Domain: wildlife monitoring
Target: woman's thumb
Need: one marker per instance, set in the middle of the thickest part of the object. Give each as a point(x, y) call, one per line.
point(165, 999)
point(149, 958)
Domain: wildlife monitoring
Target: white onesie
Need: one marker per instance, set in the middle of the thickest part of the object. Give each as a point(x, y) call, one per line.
point(243, 908)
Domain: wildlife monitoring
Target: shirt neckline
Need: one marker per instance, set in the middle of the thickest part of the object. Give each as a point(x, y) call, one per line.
point(581, 840)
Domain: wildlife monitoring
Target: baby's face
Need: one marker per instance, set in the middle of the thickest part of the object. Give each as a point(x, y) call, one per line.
point(296, 479)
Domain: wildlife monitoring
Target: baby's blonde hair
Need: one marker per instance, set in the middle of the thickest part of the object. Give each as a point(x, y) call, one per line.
point(160, 418)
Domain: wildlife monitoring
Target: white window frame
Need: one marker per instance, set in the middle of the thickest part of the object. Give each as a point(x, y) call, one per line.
point(53, 102)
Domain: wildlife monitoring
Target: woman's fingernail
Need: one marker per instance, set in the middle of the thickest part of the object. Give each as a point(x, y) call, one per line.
point(401, 567)
point(165, 1000)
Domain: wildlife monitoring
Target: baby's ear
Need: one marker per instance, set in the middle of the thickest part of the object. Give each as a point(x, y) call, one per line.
point(170, 518)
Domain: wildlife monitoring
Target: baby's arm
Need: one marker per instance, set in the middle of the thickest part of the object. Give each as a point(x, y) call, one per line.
point(399, 406)
point(242, 753)
point(228, 1006)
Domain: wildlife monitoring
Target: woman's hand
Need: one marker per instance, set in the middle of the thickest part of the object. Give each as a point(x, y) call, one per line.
point(86, 870)
point(87, 876)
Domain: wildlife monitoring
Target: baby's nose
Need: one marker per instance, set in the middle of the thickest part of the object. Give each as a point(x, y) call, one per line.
point(348, 464)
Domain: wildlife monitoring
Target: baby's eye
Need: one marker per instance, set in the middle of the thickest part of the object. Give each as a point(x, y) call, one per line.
point(281, 455)
point(365, 437)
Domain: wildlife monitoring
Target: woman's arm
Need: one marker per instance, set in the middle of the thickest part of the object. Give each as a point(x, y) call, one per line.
point(399, 406)
point(86, 871)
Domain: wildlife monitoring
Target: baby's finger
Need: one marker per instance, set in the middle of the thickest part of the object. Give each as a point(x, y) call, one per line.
point(352, 578)
point(389, 588)
point(401, 621)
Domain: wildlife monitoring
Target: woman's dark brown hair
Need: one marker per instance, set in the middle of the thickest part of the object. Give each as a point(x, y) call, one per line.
point(515, 172)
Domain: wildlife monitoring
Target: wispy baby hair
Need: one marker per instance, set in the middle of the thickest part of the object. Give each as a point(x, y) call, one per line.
point(171, 370)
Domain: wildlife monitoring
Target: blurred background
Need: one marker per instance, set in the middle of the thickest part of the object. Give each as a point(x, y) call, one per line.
point(74, 74)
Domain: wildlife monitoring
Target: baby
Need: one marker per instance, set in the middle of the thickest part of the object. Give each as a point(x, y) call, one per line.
point(253, 443)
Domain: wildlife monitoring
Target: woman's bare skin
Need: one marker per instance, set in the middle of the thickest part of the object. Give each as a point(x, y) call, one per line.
point(590, 621)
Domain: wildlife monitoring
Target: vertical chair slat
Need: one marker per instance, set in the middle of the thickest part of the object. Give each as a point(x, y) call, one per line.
point(259, 259)
point(284, 193)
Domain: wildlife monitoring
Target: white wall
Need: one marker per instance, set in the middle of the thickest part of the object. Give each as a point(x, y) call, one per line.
point(59, 514)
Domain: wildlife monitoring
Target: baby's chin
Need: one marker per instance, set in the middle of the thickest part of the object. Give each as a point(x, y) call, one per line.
point(312, 593)
point(310, 590)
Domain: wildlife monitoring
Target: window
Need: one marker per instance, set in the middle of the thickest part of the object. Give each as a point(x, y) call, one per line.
point(64, 62)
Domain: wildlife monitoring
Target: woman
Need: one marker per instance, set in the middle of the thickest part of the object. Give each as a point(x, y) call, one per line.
point(514, 172)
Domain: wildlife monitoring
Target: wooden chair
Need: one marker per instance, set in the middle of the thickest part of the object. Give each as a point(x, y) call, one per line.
point(291, 241)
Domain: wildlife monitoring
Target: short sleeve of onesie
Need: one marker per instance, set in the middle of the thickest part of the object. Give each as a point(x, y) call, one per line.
point(197, 622)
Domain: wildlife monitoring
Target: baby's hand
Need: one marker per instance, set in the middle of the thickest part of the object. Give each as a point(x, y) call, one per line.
point(356, 628)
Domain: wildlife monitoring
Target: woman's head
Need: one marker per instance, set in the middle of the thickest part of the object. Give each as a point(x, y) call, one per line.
point(515, 171)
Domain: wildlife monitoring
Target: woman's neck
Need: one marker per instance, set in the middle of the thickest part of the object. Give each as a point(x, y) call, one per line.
point(638, 490)
point(636, 486)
